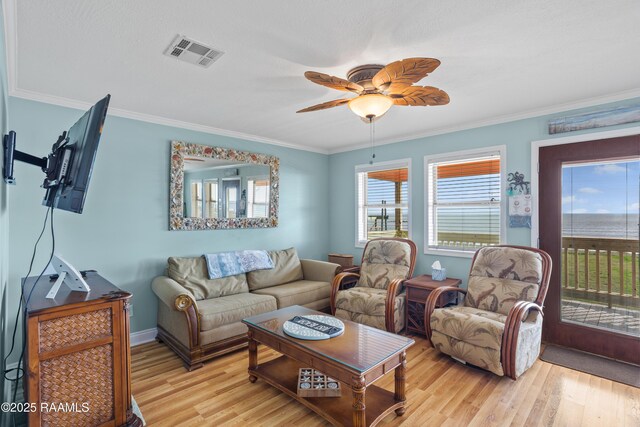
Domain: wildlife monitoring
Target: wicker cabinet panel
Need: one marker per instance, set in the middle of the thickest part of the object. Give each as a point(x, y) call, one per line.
point(78, 370)
point(79, 328)
point(83, 380)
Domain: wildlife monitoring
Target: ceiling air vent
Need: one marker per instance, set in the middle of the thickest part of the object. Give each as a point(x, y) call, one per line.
point(192, 51)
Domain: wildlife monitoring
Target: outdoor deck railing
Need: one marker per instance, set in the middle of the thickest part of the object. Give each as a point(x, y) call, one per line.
point(601, 270)
point(594, 269)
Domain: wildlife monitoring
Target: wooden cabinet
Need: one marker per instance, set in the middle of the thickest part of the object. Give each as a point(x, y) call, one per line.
point(418, 289)
point(78, 370)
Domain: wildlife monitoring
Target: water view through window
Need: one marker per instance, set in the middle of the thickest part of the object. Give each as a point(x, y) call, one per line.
point(464, 202)
point(383, 203)
point(600, 272)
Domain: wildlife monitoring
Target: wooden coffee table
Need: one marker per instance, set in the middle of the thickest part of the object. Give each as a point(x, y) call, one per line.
point(357, 358)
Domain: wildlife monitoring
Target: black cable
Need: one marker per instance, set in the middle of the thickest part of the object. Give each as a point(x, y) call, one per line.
point(53, 248)
point(15, 325)
point(19, 370)
point(26, 303)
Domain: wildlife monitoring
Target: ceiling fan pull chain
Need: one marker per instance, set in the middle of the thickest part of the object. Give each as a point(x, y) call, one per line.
point(372, 135)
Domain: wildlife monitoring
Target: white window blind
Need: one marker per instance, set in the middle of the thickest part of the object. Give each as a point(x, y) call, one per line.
point(196, 199)
point(382, 201)
point(464, 202)
point(258, 203)
point(211, 198)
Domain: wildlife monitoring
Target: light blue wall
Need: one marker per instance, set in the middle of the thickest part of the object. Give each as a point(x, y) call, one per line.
point(123, 231)
point(517, 136)
point(4, 230)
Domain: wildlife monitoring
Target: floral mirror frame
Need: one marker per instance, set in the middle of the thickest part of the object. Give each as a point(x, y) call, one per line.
point(177, 220)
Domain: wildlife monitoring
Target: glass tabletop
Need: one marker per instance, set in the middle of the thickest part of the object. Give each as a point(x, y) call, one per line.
point(360, 347)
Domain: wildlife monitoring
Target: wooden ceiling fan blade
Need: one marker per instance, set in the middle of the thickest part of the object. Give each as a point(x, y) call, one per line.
point(421, 96)
point(325, 105)
point(406, 72)
point(396, 88)
point(333, 82)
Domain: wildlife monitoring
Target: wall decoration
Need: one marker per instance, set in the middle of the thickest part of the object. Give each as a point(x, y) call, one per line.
point(520, 209)
point(517, 183)
point(520, 204)
point(596, 119)
point(222, 202)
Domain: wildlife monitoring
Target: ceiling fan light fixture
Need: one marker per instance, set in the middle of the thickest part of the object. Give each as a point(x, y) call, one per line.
point(371, 105)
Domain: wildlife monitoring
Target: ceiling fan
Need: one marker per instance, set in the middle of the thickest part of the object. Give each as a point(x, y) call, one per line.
point(379, 87)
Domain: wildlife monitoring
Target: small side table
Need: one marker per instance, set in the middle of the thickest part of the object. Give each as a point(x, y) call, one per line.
point(418, 289)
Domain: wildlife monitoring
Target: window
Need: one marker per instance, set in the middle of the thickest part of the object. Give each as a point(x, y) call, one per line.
point(231, 197)
point(211, 198)
point(196, 199)
point(204, 199)
point(258, 199)
point(464, 202)
point(382, 200)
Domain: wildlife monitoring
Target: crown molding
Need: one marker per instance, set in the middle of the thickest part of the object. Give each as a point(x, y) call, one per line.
point(558, 108)
point(119, 112)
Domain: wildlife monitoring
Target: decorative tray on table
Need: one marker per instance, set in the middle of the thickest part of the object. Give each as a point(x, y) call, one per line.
point(313, 327)
point(312, 383)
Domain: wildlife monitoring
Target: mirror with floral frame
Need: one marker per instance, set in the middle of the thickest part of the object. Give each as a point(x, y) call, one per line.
point(213, 188)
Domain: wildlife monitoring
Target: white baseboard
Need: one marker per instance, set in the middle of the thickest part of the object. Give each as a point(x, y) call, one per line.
point(143, 337)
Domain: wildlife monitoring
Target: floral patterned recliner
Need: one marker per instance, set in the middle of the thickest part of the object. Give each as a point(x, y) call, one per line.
point(378, 299)
point(499, 326)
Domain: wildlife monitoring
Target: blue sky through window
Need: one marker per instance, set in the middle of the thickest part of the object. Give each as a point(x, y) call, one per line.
point(606, 188)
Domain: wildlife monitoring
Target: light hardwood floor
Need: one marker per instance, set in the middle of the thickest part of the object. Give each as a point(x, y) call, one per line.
point(439, 392)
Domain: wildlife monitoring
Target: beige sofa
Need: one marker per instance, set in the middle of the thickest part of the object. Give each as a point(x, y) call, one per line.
point(200, 318)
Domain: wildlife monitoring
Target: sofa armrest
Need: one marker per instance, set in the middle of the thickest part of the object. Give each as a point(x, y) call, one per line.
point(173, 294)
point(178, 298)
point(320, 271)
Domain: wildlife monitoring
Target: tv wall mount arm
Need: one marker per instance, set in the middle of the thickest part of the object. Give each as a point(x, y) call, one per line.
point(48, 165)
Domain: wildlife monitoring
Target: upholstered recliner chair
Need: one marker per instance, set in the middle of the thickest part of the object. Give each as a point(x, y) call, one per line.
point(499, 325)
point(378, 299)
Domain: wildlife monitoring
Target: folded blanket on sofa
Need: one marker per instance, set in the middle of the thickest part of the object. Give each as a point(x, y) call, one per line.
point(223, 264)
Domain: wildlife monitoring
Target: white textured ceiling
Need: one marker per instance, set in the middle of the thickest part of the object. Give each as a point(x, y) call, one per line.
point(500, 60)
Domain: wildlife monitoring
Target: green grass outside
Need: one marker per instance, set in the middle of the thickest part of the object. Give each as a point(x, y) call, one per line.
point(388, 233)
point(626, 301)
point(604, 280)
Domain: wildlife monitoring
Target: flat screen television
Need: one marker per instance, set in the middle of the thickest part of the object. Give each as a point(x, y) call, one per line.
point(69, 165)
